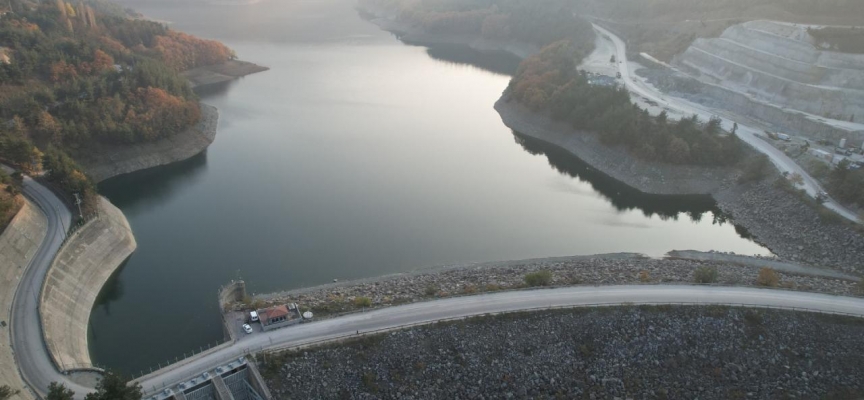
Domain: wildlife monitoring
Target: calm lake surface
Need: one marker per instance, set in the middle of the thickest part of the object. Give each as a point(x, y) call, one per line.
point(354, 156)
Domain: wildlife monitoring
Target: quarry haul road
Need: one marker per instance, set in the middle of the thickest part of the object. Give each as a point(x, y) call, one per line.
point(746, 133)
point(524, 300)
point(31, 355)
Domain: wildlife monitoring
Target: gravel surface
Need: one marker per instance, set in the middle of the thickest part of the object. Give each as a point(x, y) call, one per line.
point(792, 229)
point(630, 352)
point(614, 269)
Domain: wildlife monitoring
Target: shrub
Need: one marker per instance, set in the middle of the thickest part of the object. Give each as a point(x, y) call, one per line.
point(539, 278)
point(755, 170)
point(859, 288)
point(6, 392)
point(363, 302)
point(705, 275)
point(431, 290)
point(767, 277)
point(644, 277)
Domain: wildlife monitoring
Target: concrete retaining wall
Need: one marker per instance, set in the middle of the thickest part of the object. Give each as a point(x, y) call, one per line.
point(18, 244)
point(81, 268)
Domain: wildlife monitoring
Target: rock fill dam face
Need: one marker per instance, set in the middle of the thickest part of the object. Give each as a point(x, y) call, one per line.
point(781, 64)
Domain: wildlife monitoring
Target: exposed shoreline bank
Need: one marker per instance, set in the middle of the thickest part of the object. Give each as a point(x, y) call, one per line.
point(109, 161)
point(220, 73)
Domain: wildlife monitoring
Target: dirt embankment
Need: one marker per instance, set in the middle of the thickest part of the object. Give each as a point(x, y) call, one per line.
point(219, 73)
point(106, 161)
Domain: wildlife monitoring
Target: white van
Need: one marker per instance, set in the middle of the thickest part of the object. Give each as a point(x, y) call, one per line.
point(253, 316)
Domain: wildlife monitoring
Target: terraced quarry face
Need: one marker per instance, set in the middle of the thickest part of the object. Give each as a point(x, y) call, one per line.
point(781, 64)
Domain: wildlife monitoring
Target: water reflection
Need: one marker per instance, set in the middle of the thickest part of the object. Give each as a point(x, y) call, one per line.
point(112, 290)
point(156, 185)
point(498, 62)
point(215, 89)
point(623, 197)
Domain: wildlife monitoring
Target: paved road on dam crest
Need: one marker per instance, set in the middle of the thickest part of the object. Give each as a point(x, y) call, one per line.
point(431, 311)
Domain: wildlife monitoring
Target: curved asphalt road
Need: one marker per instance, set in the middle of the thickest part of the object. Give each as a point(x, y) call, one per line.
point(431, 311)
point(746, 133)
point(34, 363)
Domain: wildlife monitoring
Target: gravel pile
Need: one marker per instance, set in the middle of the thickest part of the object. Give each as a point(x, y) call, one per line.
point(605, 270)
point(638, 353)
point(792, 229)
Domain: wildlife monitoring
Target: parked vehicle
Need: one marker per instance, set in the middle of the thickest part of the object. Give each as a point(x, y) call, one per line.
point(247, 328)
point(253, 316)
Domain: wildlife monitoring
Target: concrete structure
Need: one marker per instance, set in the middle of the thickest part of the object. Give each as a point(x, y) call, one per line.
point(279, 316)
point(235, 380)
point(80, 269)
point(18, 244)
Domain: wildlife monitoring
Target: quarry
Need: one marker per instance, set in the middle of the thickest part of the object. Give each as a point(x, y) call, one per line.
point(783, 76)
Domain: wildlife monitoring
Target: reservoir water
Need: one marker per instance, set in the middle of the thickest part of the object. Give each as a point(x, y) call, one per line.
point(355, 156)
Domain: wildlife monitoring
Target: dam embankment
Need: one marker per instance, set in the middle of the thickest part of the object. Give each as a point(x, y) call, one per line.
point(80, 269)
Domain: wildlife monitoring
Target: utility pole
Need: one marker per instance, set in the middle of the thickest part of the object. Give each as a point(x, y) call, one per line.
point(78, 202)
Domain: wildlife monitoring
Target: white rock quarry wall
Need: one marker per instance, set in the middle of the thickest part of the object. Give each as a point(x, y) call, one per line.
point(778, 63)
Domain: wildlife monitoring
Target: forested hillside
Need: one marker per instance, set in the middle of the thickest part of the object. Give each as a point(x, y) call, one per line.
point(76, 75)
point(538, 22)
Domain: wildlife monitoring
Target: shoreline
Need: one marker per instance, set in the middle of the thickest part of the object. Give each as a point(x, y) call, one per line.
point(221, 73)
point(108, 161)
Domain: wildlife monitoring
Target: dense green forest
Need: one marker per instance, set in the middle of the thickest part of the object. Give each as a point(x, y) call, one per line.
point(538, 22)
point(548, 82)
point(79, 73)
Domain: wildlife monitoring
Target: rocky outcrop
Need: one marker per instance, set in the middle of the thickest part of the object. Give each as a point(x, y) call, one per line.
point(80, 269)
point(105, 161)
point(655, 352)
point(18, 244)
